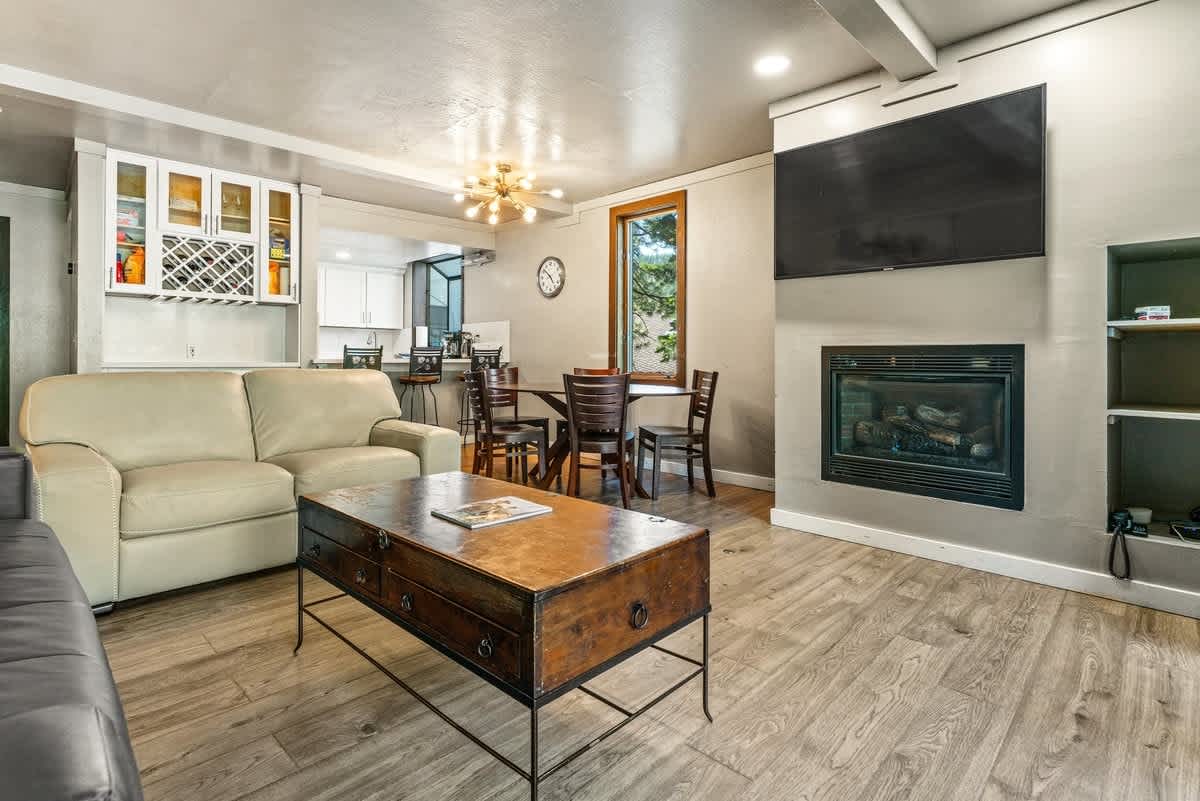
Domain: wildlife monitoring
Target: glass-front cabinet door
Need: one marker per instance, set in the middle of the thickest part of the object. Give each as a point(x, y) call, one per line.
point(183, 198)
point(279, 260)
point(235, 206)
point(129, 230)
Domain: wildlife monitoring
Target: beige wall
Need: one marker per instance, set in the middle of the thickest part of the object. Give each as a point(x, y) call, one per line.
point(729, 301)
point(39, 290)
point(1124, 166)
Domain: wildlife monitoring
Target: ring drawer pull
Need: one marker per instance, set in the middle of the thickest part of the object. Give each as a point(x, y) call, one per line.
point(382, 540)
point(360, 576)
point(640, 616)
point(314, 550)
point(485, 649)
point(406, 602)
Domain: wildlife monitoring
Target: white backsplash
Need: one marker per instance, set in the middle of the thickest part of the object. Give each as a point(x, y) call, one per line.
point(330, 341)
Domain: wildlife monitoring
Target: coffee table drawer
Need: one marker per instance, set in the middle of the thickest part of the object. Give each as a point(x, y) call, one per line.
point(345, 565)
point(363, 540)
point(586, 625)
point(485, 643)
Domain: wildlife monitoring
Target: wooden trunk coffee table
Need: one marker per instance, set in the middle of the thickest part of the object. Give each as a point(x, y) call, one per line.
point(536, 608)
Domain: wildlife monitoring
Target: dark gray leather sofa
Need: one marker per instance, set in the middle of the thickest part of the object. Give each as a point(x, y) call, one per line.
point(62, 728)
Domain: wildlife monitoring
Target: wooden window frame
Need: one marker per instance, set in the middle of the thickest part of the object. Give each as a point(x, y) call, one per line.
point(618, 301)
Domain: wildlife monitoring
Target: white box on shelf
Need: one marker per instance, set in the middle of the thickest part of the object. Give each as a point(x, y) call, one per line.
point(1152, 312)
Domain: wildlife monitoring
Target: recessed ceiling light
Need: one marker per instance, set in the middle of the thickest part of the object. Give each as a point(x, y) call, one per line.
point(770, 66)
point(342, 255)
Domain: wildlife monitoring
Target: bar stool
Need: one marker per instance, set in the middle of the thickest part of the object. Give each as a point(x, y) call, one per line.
point(690, 442)
point(481, 359)
point(424, 372)
point(362, 358)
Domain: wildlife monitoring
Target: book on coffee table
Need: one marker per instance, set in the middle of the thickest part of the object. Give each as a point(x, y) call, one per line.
point(491, 512)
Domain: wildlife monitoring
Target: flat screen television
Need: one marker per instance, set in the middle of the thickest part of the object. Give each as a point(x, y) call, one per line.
point(965, 184)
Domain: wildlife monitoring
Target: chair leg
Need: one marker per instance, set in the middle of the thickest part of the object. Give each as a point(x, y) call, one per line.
point(489, 460)
point(656, 471)
point(508, 465)
point(623, 476)
point(524, 464)
point(541, 460)
point(403, 393)
point(691, 470)
point(573, 477)
point(475, 460)
point(641, 455)
point(432, 394)
point(708, 479)
point(421, 391)
point(464, 424)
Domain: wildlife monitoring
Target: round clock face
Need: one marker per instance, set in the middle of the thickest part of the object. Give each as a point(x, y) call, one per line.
point(551, 276)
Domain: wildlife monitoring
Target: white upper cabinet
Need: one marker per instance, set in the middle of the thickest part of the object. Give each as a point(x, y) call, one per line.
point(385, 299)
point(343, 297)
point(360, 297)
point(129, 230)
point(279, 227)
point(184, 198)
point(234, 206)
point(184, 231)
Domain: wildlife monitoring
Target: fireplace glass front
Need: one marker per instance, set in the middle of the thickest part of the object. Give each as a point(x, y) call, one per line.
point(934, 421)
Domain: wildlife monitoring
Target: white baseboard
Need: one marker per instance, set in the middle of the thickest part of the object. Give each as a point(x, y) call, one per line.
point(721, 476)
point(1140, 593)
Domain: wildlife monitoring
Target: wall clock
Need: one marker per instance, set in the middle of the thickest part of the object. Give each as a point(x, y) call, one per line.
point(551, 275)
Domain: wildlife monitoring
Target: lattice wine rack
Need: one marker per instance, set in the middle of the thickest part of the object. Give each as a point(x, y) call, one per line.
point(208, 268)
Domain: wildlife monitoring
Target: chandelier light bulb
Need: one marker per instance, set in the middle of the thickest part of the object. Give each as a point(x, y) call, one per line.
point(494, 218)
point(530, 214)
point(556, 193)
point(473, 212)
point(531, 177)
point(526, 183)
point(472, 180)
point(494, 206)
point(459, 197)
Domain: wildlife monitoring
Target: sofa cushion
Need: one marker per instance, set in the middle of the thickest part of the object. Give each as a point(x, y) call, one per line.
point(190, 495)
point(142, 419)
point(307, 410)
point(334, 468)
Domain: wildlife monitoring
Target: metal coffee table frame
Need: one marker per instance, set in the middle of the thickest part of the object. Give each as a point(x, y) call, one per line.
point(533, 775)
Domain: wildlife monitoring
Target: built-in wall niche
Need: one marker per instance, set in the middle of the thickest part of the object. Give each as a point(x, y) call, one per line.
point(1153, 383)
point(179, 334)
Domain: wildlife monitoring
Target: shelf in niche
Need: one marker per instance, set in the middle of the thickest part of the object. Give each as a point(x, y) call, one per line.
point(131, 199)
point(1135, 326)
point(1160, 532)
point(1156, 411)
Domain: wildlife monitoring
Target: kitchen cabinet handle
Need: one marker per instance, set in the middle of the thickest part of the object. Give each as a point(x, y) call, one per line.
point(485, 649)
point(640, 616)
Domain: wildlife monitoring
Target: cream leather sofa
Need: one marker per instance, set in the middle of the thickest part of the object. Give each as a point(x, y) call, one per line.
point(155, 481)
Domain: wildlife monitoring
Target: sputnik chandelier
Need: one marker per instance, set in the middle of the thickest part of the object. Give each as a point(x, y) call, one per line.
point(497, 188)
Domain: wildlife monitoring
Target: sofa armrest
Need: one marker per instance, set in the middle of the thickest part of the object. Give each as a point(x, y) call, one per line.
point(78, 494)
point(438, 448)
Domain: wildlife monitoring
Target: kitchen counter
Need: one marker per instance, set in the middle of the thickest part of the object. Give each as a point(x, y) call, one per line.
point(392, 363)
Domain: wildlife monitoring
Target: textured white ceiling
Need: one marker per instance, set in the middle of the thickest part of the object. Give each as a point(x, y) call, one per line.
point(596, 95)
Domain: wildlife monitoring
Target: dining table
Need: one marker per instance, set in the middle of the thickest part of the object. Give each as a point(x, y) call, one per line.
point(554, 396)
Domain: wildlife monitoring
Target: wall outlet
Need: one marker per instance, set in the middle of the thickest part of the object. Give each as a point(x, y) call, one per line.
point(191, 351)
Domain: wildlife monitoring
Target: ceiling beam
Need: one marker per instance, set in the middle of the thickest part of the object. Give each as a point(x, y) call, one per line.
point(888, 32)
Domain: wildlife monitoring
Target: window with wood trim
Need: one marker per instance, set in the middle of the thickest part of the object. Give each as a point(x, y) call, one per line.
point(647, 330)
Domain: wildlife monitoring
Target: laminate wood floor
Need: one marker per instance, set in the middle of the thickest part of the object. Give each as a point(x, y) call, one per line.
point(841, 672)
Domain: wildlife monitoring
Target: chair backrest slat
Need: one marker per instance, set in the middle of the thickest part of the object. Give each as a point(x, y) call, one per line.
point(597, 371)
point(485, 358)
point(476, 389)
point(596, 404)
point(362, 358)
point(705, 385)
point(502, 398)
point(425, 361)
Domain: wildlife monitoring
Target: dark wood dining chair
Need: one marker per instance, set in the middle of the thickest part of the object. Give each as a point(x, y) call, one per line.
point(495, 438)
point(691, 441)
point(362, 358)
point(597, 371)
point(597, 407)
point(481, 359)
point(424, 372)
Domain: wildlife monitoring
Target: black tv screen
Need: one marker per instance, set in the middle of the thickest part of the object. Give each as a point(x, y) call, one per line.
point(960, 185)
